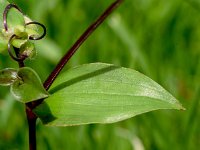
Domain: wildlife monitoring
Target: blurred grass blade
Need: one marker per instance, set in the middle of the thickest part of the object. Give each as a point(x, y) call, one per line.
point(6, 110)
point(49, 50)
point(102, 93)
point(129, 40)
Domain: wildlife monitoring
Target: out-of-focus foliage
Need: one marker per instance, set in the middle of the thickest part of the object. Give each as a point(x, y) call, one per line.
point(159, 38)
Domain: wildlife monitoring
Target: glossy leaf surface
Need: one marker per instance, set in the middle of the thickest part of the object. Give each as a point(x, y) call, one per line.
point(102, 93)
point(28, 87)
point(7, 76)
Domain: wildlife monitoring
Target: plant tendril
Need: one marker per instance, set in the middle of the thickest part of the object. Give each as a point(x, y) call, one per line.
point(44, 30)
point(5, 13)
point(18, 58)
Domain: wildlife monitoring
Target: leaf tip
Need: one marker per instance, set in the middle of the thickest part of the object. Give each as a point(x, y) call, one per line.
point(179, 106)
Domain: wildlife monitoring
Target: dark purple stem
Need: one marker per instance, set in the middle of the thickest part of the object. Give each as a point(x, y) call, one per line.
point(31, 118)
point(78, 43)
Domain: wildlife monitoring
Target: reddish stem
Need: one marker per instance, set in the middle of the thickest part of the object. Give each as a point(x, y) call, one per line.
point(31, 118)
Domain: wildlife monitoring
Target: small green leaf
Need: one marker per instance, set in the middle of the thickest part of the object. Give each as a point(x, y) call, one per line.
point(28, 49)
point(20, 32)
point(102, 93)
point(18, 42)
point(7, 76)
point(28, 87)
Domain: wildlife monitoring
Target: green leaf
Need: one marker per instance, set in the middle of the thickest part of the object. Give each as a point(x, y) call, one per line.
point(28, 87)
point(28, 49)
point(20, 32)
point(7, 76)
point(102, 93)
point(18, 42)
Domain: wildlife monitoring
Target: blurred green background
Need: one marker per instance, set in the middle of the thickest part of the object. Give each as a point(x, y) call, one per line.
point(157, 37)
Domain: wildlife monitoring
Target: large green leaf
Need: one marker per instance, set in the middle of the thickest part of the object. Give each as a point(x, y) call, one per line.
point(102, 93)
point(28, 86)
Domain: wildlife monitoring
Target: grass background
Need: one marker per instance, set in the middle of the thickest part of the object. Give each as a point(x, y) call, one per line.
point(157, 37)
